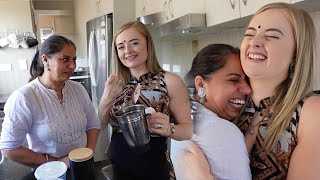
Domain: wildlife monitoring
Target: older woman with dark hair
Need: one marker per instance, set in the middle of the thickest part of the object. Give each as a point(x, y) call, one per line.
point(218, 91)
point(52, 112)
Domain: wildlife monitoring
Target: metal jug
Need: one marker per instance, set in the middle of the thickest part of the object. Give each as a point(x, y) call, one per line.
point(133, 123)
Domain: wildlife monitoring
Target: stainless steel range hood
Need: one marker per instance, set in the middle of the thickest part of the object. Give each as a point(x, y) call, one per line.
point(189, 23)
point(153, 19)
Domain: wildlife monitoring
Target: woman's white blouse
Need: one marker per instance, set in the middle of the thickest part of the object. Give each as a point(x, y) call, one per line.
point(50, 126)
point(222, 143)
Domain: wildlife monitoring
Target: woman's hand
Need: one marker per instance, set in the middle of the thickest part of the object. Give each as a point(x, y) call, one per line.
point(112, 89)
point(159, 123)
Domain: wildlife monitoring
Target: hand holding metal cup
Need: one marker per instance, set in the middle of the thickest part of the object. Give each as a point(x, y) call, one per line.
point(133, 124)
point(159, 123)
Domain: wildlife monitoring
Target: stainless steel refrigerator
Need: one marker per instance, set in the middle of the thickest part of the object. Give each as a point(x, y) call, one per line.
point(99, 41)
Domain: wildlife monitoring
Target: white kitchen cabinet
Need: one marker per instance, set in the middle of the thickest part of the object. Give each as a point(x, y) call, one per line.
point(177, 8)
point(218, 12)
point(146, 7)
point(249, 7)
point(63, 24)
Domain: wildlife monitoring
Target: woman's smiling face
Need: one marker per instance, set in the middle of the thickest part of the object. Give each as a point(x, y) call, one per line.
point(226, 90)
point(132, 49)
point(267, 49)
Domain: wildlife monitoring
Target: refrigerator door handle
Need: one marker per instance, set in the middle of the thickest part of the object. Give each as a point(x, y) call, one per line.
point(92, 60)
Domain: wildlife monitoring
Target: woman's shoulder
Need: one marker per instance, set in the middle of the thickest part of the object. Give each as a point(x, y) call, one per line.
point(311, 104)
point(24, 91)
point(309, 113)
point(22, 96)
point(172, 78)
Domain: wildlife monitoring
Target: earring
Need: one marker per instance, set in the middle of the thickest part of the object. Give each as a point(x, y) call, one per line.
point(202, 94)
point(291, 70)
point(46, 66)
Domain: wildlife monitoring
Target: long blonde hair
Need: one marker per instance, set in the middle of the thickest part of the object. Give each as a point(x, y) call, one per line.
point(152, 62)
point(292, 90)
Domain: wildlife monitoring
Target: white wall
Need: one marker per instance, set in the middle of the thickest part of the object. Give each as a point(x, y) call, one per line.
point(85, 10)
point(316, 18)
point(19, 13)
point(19, 21)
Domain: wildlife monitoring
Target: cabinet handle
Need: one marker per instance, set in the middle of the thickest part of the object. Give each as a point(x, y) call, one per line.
point(244, 2)
point(143, 11)
point(233, 3)
point(165, 10)
point(171, 8)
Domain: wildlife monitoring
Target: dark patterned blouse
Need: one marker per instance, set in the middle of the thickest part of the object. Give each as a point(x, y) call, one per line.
point(153, 93)
point(273, 165)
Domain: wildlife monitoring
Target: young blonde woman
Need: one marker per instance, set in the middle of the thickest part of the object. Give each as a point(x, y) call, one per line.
point(139, 79)
point(281, 122)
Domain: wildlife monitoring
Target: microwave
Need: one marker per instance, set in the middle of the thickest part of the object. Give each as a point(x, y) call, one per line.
point(45, 33)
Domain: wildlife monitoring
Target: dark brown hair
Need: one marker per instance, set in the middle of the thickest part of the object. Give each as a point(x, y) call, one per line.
point(50, 46)
point(210, 59)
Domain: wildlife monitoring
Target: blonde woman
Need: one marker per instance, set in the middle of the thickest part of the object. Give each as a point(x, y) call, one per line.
point(139, 79)
point(281, 121)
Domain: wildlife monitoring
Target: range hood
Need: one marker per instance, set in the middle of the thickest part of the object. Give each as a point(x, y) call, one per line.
point(153, 19)
point(189, 23)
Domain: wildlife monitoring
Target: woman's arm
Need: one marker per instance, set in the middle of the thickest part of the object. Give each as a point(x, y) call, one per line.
point(191, 162)
point(112, 90)
point(92, 138)
point(27, 157)
point(179, 107)
point(305, 159)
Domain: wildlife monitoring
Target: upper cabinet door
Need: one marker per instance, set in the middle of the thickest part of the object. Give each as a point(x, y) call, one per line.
point(249, 7)
point(218, 12)
point(140, 8)
point(146, 7)
point(63, 24)
point(178, 8)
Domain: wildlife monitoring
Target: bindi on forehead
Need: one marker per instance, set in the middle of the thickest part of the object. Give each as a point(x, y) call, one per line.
point(259, 26)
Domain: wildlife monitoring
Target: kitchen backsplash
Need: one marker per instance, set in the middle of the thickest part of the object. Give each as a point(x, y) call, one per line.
point(17, 75)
